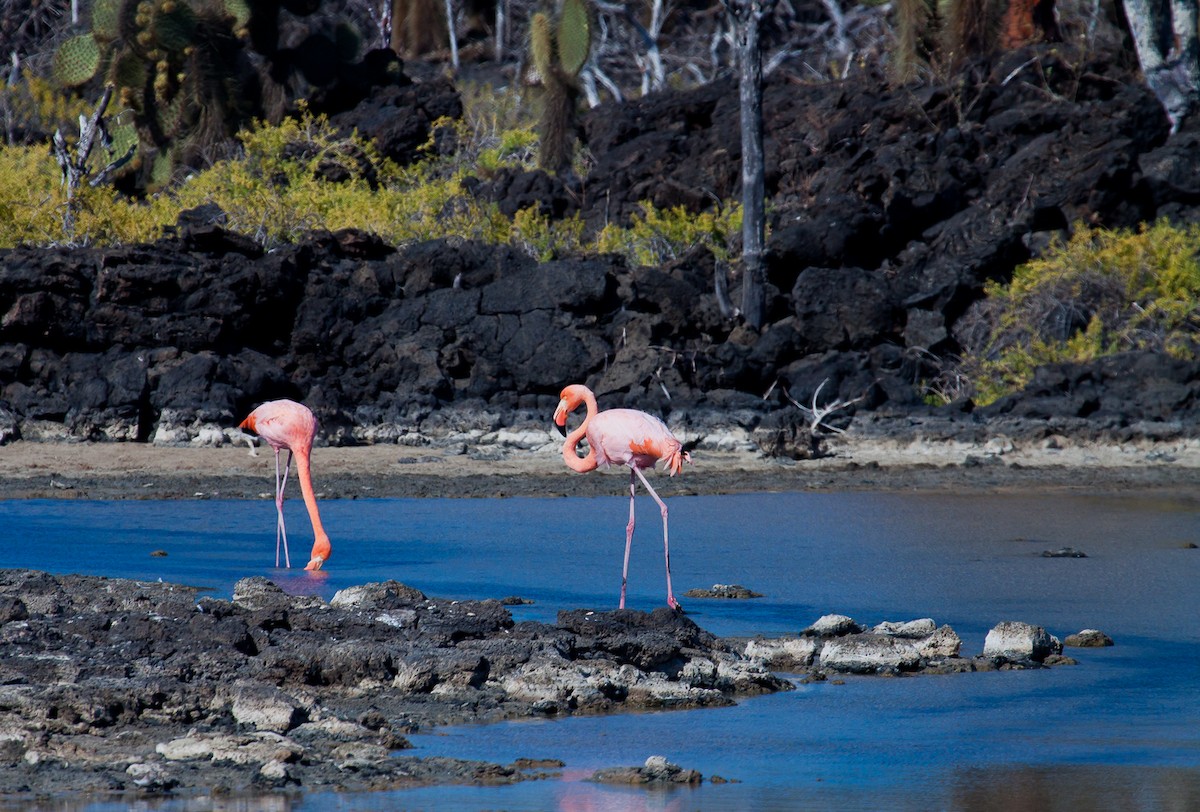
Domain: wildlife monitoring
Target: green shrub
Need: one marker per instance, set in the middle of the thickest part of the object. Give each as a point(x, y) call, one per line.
point(545, 239)
point(276, 190)
point(658, 236)
point(1101, 293)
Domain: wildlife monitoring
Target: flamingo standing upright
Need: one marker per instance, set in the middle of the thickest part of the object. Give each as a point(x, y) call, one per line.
point(287, 424)
point(621, 437)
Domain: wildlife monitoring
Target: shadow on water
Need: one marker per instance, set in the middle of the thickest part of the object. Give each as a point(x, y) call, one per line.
point(1119, 731)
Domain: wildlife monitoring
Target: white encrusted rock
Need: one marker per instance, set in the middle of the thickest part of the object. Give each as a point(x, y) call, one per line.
point(869, 653)
point(1014, 641)
point(832, 626)
point(910, 629)
point(943, 643)
point(266, 708)
point(783, 653)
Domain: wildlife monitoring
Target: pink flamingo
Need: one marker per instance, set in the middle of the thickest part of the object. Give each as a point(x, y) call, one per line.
point(287, 424)
point(622, 437)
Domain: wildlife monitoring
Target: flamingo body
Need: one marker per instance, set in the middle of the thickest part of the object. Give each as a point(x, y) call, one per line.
point(633, 438)
point(622, 437)
point(285, 424)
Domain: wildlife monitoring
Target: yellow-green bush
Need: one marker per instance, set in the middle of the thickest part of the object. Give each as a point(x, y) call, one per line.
point(32, 200)
point(545, 239)
point(36, 105)
point(273, 191)
point(1101, 293)
point(658, 236)
point(30, 197)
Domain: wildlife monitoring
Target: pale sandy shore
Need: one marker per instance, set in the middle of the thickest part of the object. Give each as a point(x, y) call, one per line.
point(142, 471)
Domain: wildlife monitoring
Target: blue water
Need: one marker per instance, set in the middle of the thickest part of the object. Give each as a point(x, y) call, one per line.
point(1119, 731)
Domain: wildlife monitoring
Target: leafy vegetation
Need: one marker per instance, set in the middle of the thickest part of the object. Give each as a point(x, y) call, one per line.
point(661, 235)
point(302, 174)
point(1101, 293)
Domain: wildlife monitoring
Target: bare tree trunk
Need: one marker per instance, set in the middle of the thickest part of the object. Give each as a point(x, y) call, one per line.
point(501, 33)
point(1168, 49)
point(747, 14)
point(450, 31)
point(75, 168)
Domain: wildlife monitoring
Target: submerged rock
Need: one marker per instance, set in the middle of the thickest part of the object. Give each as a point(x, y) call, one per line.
point(728, 591)
point(656, 770)
point(1064, 552)
point(1088, 638)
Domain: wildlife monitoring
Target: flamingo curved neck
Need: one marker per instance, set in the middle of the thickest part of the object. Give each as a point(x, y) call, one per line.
point(321, 545)
point(576, 463)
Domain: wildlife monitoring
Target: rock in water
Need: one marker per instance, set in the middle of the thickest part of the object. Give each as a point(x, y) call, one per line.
point(1088, 638)
point(1013, 641)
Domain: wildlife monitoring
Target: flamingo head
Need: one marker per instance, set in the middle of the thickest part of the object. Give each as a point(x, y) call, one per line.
point(250, 422)
point(320, 552)
point(570, 399)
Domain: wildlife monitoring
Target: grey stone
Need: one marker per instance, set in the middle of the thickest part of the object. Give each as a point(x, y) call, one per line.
point(1016, 641)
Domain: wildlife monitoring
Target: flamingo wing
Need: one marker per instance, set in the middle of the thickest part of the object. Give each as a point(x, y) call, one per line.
point(631, 437)
point(285, 424)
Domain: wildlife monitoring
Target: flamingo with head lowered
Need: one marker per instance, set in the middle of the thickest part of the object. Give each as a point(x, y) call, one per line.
point(287, 424)
point(621, 437)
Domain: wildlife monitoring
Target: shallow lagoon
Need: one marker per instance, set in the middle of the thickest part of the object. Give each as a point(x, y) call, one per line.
point(1119, 731)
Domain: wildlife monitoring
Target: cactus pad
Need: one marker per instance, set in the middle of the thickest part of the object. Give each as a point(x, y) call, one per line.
point(541, 44)
point(574, 36)
point(124, 135)
point(76, 61)
point(128, 70)
point(348, 42)
point(239, 10)
point(174, 25)
point(106, 20)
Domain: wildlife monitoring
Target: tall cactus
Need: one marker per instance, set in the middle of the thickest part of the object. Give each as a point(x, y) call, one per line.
point(560, 48)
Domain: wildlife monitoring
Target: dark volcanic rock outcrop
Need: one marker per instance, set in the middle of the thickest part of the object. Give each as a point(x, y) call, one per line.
point(891, 207)
point(125, 686)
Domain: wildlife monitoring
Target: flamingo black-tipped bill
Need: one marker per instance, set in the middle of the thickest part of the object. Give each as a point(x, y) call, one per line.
point(560, 418)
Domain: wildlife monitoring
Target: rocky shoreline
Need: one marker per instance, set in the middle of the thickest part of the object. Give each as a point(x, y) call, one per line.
point(120, 687)
point(110, 685)
point(526, 461)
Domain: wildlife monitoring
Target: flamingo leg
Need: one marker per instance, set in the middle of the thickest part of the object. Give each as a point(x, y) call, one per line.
point(662, 506)
point(628, 537)
point(280, 527)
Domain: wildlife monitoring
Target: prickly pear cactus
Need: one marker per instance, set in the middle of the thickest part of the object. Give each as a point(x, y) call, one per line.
point(76, 61)
point(574, 36)
point(173, 24)
point(106, 19)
